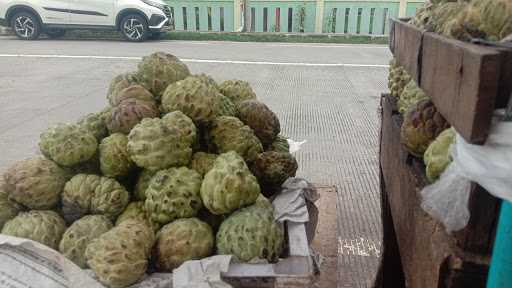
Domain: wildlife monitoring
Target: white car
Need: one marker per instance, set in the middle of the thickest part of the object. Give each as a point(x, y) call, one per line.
point(137, 20)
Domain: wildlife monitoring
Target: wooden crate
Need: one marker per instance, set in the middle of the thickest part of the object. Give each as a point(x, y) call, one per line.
point(465, 81)
point(429, 256)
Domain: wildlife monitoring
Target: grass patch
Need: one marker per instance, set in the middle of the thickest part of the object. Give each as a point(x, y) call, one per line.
point(237, 37)
point(276, 37)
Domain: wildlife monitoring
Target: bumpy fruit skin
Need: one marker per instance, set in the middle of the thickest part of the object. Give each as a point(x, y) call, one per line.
point(237, 90)
point(43, 226)
point(67, 144)
point(80, 234)
point(77, 195)
point(119, 257)
point(142, 184)
point(272, 169)
point(280, 144)
point(398, 78)
point(196, 98)
point(137, 211)
point(154, 145)
point(229, 185)
point(129, 113)
point(183, 124)
point(208, 79)
point(110, 198)
point(251, 233)
point(92, 194)
point(134, 91)
point(8, 209)
point(202, 162)
point(91, 166)
point(159, 70)
point(94, 124)
point(411, 95)
point(35, 183)
point(114, 158)
point(118, 84)
point(438, 156)
point(261, 119)
point(173, 193)
point(182, 240)
point(230, 134)
point(421, 126)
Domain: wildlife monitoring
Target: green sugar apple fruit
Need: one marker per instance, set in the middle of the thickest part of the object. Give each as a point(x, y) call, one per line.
point(261, 119)
point(208, 79)
point(120, 257)
point(280, 144)
point(43, 226)
point(226, 106)
point(422, 124)
point(92, 194)
point(230, 134)
point(114, 158)
point(237, 90)
point(133, 91)
point(173, 193)
point(94, 124)
point(67, 144)
point(196, 98)
point(202, 162)
point(153, 145)
point(129, 113)
point(229, 185)
point(35, 183)
point(136, 210)
point(159, 70)
point(438, 156)
point(272, 169)
point(80, 234)
point(398, 79)
point(8, 208)
point(182, 240)
point(251, 233)
point(411, 95)
point(183, 124)
point(142, 184)
point(118, 84)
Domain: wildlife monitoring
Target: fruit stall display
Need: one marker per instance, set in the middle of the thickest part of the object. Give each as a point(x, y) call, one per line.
point(177, 167)
point(452, 67)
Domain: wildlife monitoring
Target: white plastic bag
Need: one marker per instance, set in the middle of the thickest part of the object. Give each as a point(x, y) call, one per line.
point(489, 165)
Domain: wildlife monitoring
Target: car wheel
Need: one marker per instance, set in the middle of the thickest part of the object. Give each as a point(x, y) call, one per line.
point(55, 33)
point(134, 28)
point(26, 26)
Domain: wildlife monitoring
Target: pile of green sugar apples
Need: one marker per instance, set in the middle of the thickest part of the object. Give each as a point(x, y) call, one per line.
point(177, 168)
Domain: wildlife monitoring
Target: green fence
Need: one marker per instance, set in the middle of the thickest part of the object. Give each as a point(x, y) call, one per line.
point(364, 17)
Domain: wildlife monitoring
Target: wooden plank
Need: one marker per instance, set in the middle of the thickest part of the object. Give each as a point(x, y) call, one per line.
point(430, 256)
point(462, 80)
point(408, 44)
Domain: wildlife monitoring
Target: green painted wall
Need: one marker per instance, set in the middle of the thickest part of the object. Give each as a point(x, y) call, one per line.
point(364, 17)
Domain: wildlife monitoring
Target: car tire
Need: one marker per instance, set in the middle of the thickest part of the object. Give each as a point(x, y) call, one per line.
point(26, 26)
point(134, 28)
point(55, 33)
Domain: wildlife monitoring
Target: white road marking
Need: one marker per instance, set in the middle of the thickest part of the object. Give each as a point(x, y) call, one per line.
point(197, 60)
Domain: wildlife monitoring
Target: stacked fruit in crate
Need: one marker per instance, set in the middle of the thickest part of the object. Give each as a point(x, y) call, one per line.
point(425, 133)
point(467, 19)
point(178, 167)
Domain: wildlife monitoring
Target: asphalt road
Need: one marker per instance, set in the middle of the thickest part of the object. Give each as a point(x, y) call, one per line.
point(325, 94)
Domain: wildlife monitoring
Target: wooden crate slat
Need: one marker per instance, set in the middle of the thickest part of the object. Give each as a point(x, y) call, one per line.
point(408, 45)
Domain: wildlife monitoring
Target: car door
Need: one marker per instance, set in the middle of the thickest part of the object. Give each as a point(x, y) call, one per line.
point(55, 11)
point(92, 12)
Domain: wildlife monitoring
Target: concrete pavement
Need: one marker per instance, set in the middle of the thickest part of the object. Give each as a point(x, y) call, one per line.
point(325, 94)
